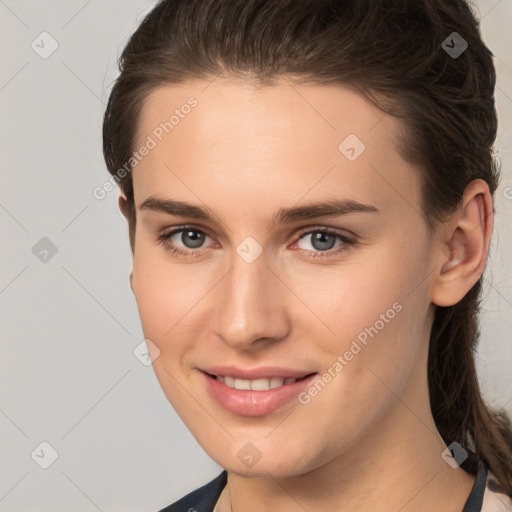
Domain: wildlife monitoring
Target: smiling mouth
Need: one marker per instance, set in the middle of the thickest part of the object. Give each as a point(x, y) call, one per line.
point(262, 384)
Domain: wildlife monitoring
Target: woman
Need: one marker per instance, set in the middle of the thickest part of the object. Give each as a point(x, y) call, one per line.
point(308, 187)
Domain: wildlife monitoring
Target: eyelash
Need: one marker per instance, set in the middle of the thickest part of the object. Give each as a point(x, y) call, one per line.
point(163, 238)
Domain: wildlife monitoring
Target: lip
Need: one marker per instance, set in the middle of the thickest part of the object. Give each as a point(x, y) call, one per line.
point(254, 403)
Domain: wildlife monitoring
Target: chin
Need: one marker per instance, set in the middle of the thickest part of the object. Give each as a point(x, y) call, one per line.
point(278, 465)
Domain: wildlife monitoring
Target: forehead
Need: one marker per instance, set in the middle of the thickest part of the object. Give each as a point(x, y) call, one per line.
point(279, 142)
point(319, 113)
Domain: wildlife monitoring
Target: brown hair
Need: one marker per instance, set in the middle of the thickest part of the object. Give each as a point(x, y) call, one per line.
point(392, 52)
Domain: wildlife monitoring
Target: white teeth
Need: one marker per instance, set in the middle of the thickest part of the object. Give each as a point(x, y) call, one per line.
point(242, 384)
point(276, 382)
point(263, 384)
point(229, 381)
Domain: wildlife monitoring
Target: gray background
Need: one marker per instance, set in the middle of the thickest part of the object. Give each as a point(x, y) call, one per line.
point(70, 324)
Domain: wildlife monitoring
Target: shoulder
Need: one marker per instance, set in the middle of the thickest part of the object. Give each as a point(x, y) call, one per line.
point(202, 499)
point(495, 500)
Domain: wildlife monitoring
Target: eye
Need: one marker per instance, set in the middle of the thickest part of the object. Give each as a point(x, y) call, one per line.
point(322, 241)
point(191, 237)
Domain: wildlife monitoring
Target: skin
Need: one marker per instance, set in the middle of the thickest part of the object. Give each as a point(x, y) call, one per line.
point(367, 441)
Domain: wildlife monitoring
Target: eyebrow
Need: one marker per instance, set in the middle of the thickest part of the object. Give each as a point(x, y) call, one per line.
point(329, 208)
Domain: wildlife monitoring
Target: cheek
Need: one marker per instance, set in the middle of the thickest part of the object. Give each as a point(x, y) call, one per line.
point(161, 294)
point(368, 288)
point(372, 320)
point(164, 290)
point(377, 313)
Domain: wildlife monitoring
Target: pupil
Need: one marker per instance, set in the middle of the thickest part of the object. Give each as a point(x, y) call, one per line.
point(319, 238)
point(197, 238)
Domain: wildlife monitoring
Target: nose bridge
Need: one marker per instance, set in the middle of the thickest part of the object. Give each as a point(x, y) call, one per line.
point(250, 305)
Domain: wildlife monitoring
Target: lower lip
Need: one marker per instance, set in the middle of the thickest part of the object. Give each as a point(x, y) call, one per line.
point(253, 403)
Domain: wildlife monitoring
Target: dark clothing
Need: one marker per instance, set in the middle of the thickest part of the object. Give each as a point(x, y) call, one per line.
point(202, 499)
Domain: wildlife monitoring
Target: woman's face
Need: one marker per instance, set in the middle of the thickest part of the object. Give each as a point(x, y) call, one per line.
point(266, 287)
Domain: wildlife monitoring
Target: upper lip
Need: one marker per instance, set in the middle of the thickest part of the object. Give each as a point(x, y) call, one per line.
point(256, 373)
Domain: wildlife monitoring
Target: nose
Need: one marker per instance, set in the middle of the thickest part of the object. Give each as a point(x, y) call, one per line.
point(251, 310)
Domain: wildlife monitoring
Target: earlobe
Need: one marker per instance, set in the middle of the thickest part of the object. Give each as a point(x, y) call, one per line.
point(463, 253)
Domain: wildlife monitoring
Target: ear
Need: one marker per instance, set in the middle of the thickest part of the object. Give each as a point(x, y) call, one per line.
point(123, 205)
point(464, 244)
